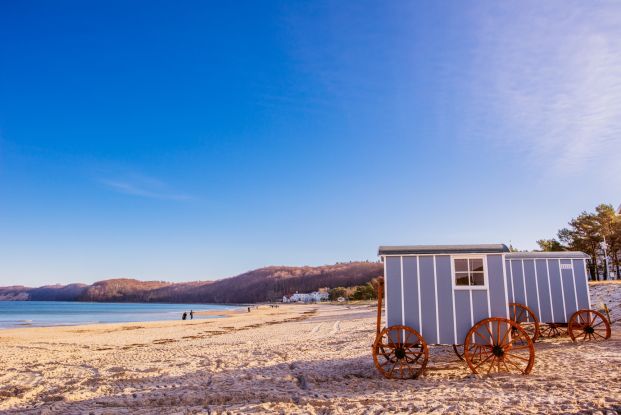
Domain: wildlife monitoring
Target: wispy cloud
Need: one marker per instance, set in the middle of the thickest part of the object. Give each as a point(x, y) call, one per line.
point(552, 75)
point(142, 186)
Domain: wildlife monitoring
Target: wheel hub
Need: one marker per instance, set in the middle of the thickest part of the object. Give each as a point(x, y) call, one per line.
point(400, 352)
point(589, 330)
point(498, 351)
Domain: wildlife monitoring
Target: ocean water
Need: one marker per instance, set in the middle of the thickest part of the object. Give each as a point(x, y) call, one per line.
point(62, 313)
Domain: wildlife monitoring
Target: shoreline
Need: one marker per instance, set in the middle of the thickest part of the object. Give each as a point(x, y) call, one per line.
point(33, 320)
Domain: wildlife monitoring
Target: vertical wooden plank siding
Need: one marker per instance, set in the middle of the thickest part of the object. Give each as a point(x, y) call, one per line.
point(445, 299)
point(498, 305)
point(393, 290)
point(410, 292)
point(568, 288)
point(531, 286)
point(556, 291)
point(545, 313)
point(479, 305)
point(509, 280)
point(428, 299)
point(518, 282)
point(462, 315)
point(581, 284)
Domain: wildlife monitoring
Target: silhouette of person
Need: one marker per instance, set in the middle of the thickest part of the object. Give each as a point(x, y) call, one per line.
point(191, 315)
point(248, 309)
point(184, 316)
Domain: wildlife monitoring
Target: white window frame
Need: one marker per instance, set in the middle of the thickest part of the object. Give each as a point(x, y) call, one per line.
point(485, 285)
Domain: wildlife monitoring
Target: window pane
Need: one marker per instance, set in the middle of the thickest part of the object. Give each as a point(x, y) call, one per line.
point(477, 278)
point(461, 265)
point(476, 265)
point(461, 278)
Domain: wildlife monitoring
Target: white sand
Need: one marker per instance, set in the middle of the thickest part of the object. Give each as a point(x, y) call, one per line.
point(294, 359)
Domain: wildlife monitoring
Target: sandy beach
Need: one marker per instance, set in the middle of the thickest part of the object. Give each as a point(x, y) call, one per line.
point(293, 359)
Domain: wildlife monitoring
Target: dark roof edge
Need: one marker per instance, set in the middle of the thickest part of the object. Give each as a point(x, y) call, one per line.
point(443, 249)
point(557, 254)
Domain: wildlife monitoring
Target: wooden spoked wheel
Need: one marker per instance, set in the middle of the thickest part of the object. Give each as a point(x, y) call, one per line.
point(588, 325)
point(400, 352)
point(551, 330)
point(525, 317)
point(499, 345)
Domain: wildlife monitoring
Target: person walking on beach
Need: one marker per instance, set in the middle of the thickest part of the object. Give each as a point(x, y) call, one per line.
point(191, 314)
point(184, 316)
point(248, 309)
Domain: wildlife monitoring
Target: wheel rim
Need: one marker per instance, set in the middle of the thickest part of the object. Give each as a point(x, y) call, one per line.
point(400, 352)
point(588, 325)
point(525, 317)
point(496, 345)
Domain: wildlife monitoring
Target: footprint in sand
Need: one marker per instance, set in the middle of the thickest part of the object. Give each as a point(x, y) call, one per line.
point(336, 327)
point(316, 328)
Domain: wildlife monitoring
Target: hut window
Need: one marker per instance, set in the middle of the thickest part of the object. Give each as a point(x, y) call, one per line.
point(469, 272)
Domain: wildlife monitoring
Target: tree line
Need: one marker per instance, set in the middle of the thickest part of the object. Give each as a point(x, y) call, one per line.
point(598, 234)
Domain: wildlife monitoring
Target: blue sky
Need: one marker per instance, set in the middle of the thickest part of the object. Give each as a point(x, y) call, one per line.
point(197, 140)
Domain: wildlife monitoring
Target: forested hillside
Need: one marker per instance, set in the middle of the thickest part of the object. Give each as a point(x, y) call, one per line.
point(263, 284)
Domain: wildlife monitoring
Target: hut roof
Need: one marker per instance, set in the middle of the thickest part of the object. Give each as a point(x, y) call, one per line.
point(443, 249)
point(558, 254)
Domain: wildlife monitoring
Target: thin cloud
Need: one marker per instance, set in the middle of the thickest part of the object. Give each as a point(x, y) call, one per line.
point(552, 76)
point(143, 187)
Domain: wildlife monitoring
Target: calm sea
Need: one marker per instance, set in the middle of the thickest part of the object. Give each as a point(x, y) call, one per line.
point(61, 313)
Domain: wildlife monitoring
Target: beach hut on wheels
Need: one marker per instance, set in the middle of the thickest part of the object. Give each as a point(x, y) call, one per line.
point(487, 302)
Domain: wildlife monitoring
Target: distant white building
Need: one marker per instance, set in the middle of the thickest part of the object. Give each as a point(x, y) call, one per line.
point(313, 297)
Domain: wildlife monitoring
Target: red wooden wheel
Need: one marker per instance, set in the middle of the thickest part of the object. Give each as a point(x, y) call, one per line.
point(587, 325)
point(551, 330)
point(525, 317)
point(400, 352)
point(499, 345)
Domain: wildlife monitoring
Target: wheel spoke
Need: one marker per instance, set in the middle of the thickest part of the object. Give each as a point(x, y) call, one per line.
point(491, 336)
point(520, 348)
point(581, 318)
point(505, 364)
point(483, 361)
point(393, 369)
point(481, 336)
point(507, 331)
point(408, 337)
point(391, 341)
point(514, 339)
point(491, 366)
point(514, 365)
point(517, 356)
point(498, 332)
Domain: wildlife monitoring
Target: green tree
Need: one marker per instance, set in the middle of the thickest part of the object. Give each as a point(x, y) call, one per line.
point(337, 292)
point(586, 233)
point(582, 235)
point(550, 245)
point(614, 244)
point(364, 292)
point(607, 218)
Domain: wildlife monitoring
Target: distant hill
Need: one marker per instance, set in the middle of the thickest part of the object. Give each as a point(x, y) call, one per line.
point(259, 285)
